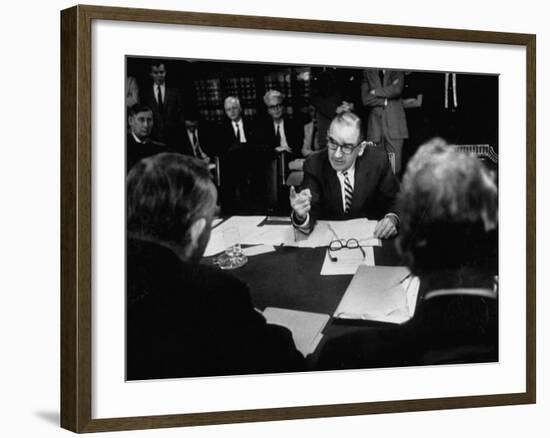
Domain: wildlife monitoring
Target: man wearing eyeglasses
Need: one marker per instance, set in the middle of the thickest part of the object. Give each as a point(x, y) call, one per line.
point(348, 180)
point(280, 139)
point(279, 132)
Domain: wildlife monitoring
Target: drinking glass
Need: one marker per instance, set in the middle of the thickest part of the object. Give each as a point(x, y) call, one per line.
point(233, 256)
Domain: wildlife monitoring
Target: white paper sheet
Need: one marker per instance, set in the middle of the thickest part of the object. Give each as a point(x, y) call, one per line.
point(360, 229)
point(306, 327)
point(348, 261)
point(245, 224)
point(269, 235)
point(257, 250)
point(320, 236)
point(380, 293)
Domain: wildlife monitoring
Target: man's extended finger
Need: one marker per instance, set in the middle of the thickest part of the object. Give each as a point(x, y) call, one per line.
point(292, 192)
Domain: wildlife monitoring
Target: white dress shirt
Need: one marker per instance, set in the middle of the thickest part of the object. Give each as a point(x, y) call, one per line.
point(198, 151)
point(162, 92)
point(136, 138)
point(351, 177)
point(282, 135)
point(239, 125)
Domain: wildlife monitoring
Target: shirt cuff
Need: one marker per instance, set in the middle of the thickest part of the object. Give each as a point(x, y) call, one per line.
point(394, 218)
point(303, 227)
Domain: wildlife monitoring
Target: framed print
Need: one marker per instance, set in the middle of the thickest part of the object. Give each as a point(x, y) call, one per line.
point(250, 106)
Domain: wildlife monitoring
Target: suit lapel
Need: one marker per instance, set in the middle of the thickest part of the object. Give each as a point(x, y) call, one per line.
point(333, 188)
point(361, 176)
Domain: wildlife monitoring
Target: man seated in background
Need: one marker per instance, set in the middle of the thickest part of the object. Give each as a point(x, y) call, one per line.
point(280, 140)
point(279, 132)
point(348, 180)
point(193, 138)
point(448, 208)
point(236, 146)
point(187, 319)
point(138, 141)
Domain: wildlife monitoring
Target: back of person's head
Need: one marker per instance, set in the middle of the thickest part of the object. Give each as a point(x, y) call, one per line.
point(171, 200)
point(448, 204)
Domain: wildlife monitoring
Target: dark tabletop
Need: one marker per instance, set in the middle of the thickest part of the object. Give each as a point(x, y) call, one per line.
point(290, 278)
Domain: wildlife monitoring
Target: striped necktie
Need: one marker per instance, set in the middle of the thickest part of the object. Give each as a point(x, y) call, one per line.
point(348, 191)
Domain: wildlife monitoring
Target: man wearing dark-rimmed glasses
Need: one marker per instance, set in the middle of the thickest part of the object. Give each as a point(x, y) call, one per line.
point(348, 180)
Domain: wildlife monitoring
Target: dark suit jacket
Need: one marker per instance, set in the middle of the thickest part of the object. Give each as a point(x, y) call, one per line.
point(238, 160)
point(165, 121)
point(374, 193)
point(207, 141)
point(390, 119)
point(227, 141)
point(447, 329)
point(294, 134)
point(136, 151)
point(187, 320)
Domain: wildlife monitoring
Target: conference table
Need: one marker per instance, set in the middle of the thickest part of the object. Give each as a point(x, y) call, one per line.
point(290, 278)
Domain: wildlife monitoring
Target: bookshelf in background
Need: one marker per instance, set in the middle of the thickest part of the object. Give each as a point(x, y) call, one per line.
point(293, 82)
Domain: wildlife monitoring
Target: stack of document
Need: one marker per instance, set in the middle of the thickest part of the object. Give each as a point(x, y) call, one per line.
point(380, 293)
point(306, 327)
point(257, 230)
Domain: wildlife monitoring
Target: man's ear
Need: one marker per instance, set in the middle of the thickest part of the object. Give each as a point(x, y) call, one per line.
point(362, 147)
point(196, 230)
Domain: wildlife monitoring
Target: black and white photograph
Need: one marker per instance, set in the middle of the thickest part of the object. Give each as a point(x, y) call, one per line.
point(285, 218)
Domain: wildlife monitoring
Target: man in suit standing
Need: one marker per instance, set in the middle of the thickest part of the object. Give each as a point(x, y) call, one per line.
point(138, 141)
point(386, 123)
point(348, 180)
point(184, 318)
point(165, 102)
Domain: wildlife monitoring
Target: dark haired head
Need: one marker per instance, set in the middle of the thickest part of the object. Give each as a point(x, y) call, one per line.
point(167, 195)
point(157, 62)
point(138, 108)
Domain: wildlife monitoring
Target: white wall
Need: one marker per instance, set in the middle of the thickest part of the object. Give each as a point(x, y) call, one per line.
point(29, 231)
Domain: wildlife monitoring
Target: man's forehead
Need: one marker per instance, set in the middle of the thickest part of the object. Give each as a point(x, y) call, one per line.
point(142, 114)
point(158, 68)
point(343, 130)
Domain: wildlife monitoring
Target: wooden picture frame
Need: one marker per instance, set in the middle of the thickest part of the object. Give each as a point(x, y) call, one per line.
point(76, 218)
